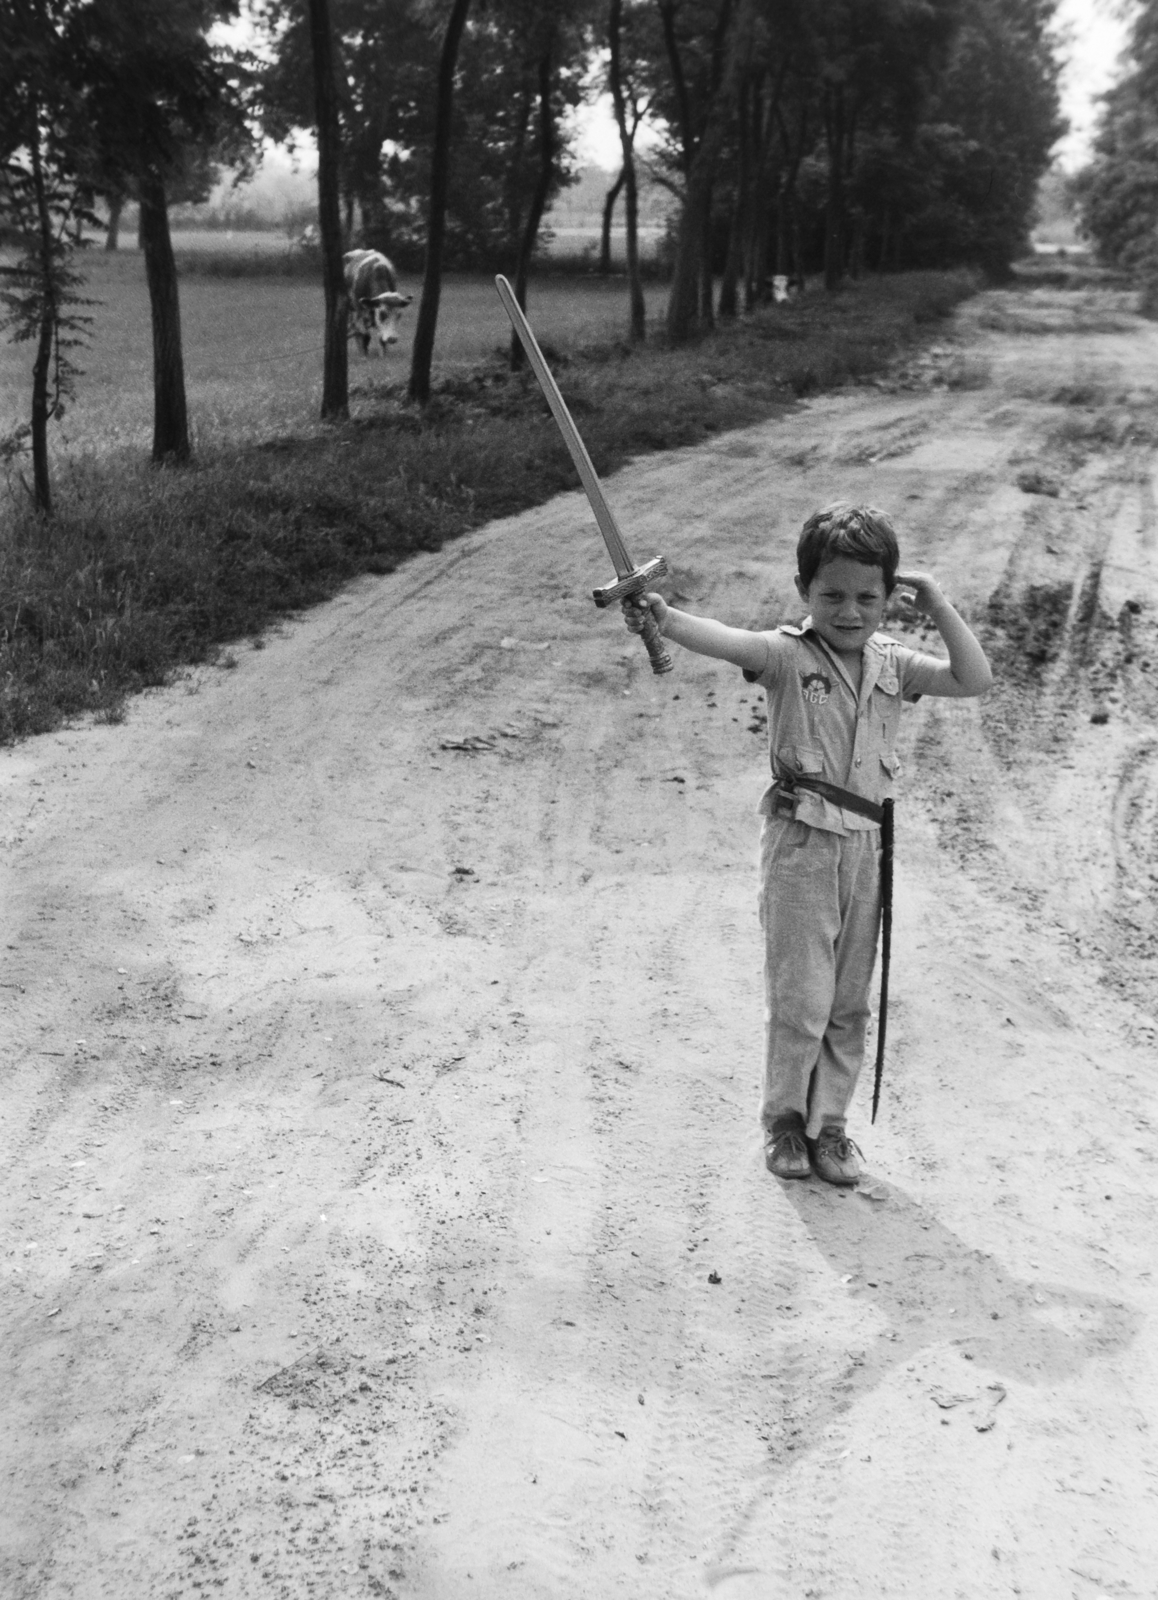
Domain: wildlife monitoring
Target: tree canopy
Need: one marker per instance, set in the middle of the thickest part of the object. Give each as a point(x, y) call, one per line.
point(1117, 192)
point(387, 61)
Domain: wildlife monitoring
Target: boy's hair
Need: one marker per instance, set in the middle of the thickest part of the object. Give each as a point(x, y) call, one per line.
point(862, 533)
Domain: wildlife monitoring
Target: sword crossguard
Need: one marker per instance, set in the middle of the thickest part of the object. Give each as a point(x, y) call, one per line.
point(627, 588)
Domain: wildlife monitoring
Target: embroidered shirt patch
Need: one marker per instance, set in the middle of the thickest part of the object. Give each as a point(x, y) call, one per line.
point(817, 687)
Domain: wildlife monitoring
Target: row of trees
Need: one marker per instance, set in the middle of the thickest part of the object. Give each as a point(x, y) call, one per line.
point(1117, 192)
point(800, 136)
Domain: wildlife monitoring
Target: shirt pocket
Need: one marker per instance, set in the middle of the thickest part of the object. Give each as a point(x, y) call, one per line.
point(886, 708)
point(799, 758)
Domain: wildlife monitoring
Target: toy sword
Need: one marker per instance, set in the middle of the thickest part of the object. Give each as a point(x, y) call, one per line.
point(630, 579)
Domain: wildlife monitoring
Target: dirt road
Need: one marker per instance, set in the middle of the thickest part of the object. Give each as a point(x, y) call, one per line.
point(383, 1203)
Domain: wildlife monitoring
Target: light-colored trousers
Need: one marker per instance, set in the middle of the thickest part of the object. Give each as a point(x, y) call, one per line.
point(819, 908)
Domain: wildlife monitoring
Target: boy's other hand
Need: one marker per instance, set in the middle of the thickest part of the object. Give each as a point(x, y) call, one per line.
point(635, 608)
point(927, 595)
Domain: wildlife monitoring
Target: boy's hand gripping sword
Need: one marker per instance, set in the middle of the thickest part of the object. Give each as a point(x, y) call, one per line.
point(631, 580)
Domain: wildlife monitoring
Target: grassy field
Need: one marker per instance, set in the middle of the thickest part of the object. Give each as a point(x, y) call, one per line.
point(142, 571)
point(253, 349)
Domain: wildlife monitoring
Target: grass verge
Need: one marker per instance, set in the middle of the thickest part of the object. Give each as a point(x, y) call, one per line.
point(141, 572)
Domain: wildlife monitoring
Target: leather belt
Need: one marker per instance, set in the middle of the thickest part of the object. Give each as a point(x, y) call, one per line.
point(791, 781)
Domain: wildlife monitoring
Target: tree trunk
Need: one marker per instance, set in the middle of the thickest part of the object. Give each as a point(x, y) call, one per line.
point(41, 486)
point(112, 235)
point(170, 419)
point(729, 298)
point(679, 82)
point(638, 329)
point(691, 289)
point(538, 199)
point(883, 249)
point(684, 302)
point(42, 490)
point(707, 241)
point(627, 147)
point(605, 234)
point(335, 372)
point(834, 209)
point(729, 305)
point(514, 177)
point(423, 350)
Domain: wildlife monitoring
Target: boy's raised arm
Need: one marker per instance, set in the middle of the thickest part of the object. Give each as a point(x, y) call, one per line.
point(967, 672)
point(704, 635)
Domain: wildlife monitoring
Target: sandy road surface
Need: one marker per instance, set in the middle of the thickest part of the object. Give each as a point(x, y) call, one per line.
point(383, 1210)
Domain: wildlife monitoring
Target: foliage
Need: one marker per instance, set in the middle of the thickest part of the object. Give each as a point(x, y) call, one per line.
point(43, 207)
point(157, 94)
point(113, 97)
point(999, 96)
point(864, 133)
point(388, 52)
point(41, 286)
point(1117, 193)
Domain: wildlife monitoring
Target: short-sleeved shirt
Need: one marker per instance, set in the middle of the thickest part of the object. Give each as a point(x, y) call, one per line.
point(820, 725)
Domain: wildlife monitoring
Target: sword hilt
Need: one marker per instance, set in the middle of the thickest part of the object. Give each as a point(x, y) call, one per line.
point(626, 589)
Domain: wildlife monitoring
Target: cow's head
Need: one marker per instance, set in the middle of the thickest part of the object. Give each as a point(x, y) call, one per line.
point(384, 311)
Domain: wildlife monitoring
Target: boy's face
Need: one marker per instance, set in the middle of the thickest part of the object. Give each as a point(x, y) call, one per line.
point(847, 601)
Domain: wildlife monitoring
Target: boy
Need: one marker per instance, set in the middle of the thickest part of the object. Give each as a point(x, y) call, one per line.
point(834, 687)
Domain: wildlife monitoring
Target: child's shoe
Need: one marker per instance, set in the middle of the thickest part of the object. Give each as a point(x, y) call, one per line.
point(785, 1149)
point(835, 1158)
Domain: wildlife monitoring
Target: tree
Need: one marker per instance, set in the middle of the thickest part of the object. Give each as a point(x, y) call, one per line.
point(998, 93)
point(43, 204)
point(160, 104)
point(609, 200)
point(1117, 192)
point(422, 353)
point(387, 59)
point(335, 396)
point(704, 99)
point(385, 55)
point(838, 134)
point(548, 71)
point(629, 97)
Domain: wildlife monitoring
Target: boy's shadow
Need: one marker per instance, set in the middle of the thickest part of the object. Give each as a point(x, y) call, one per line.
point(931, 1289)
point(934, 1288)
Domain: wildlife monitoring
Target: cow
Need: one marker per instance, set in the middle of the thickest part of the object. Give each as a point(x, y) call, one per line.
point(372, 297)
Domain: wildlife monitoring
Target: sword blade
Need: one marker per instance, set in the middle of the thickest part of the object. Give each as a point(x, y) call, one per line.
point(604, 516)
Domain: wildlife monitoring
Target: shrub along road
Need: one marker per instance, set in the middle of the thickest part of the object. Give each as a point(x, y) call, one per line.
point(384, 1210)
